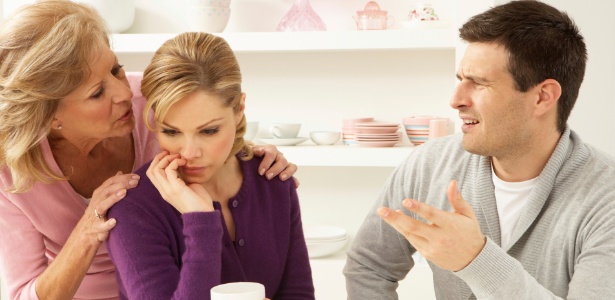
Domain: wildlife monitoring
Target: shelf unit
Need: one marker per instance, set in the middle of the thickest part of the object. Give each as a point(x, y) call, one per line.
point(304, 41)
point(144, 45)
point(346, 156)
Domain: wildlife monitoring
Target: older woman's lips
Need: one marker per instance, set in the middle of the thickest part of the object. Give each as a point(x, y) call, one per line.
point(127, 116)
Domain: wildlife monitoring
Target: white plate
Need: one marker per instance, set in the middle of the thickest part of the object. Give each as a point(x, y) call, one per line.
point(323, 232)
point(316, 250)
point(284, 142)
point(425, 24)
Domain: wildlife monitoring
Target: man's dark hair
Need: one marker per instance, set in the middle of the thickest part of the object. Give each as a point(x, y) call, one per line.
point(542, 42)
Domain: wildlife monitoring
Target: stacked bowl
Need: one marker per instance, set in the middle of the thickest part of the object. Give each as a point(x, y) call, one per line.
point(323, 240)
point(207, 15)
point(421, 128)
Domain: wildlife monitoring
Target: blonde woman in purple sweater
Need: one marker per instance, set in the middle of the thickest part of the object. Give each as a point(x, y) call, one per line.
point(201, 216)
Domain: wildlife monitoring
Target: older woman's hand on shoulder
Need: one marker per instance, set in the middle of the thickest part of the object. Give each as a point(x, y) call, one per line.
point(94, 222)
point(274, 163)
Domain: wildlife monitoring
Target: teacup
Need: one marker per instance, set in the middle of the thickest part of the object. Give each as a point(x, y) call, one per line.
point(423, 12)
point(284, 130)
point(238, 291)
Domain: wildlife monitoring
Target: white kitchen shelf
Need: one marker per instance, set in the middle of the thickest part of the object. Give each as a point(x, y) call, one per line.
point(345, 156)
point(305, 41)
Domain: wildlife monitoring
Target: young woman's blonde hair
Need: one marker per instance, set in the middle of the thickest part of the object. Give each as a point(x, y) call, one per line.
point(194, 61)
point(45, 53)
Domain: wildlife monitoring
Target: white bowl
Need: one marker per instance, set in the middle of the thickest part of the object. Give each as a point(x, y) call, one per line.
point(323, 232)
point(118, 14)
point(320, 249)
point(325, 137)
point(212, 19)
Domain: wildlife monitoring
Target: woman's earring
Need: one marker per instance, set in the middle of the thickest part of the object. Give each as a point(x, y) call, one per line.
point(59, 127)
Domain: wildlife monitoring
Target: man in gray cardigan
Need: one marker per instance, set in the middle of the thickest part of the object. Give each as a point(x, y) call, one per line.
point(516, 207)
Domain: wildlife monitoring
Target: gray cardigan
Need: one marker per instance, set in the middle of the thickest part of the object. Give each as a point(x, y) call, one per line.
point(562, 247)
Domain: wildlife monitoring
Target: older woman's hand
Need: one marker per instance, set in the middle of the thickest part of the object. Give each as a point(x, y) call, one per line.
point(95, 222)
point(274, 163)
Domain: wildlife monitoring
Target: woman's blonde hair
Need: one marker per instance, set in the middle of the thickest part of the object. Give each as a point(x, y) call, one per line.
point(45, 54)
point(190, 62)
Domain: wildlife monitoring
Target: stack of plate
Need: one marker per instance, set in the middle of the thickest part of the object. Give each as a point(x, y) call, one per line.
point(377, 134)
point(323, 240)
point(349, 130)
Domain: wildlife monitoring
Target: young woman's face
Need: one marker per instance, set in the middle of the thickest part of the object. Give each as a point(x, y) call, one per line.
point(202, 131)
point(101, 106)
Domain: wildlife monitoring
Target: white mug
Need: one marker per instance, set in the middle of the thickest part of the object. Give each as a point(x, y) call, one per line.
point(238, 291)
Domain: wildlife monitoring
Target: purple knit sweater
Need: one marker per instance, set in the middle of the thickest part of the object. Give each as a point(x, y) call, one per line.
point(162, 254)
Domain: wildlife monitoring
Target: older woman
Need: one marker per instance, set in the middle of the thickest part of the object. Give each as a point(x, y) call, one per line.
point(69, 143)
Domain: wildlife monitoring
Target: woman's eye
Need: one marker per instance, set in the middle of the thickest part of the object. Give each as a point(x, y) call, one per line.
point(169, 132)
point(210, 131)
point(98, 93)
point(116, 69)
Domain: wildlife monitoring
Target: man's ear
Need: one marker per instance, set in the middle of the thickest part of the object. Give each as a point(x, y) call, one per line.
point(549, 92)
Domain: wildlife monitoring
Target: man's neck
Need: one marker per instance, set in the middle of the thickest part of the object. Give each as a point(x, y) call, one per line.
point(527, 163)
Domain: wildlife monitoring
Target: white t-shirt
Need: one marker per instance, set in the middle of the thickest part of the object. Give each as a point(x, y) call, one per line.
point(510, 198)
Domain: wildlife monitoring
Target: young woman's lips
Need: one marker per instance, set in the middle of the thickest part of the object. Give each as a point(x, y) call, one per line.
point(192, 170)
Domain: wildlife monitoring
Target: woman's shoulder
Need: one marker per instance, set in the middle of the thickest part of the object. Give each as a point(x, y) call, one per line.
point(144, 197)
point(252, 177)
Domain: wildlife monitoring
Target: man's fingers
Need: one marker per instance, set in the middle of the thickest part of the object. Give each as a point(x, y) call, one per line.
point(457, 202)
point(427, 212)
point(404, 224)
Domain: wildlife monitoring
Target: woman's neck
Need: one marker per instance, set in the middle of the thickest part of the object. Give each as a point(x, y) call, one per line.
point(227, 181)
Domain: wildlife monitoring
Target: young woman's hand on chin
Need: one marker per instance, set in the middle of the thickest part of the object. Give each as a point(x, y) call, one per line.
point(185, 198)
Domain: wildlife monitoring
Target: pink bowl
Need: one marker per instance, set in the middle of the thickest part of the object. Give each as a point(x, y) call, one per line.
point(351, 122)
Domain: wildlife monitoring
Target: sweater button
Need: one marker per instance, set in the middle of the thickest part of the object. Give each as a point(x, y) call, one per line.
point(241, 242)
point(235, 203)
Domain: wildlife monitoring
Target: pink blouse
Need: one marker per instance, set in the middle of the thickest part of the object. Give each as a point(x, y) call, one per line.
point(35, 225)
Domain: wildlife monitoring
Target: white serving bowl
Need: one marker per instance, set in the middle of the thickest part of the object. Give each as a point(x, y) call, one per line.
point(210, 19)
point(325, 137)
point(323, 232)
point(320, 249)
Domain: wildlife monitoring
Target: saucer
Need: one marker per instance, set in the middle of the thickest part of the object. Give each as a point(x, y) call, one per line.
point(284, 142)
point(425, 24)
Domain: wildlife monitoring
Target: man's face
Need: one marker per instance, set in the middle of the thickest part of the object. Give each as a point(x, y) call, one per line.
point(495, 115)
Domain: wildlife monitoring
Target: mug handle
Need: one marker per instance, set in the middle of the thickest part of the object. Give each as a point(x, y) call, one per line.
point(275, 131)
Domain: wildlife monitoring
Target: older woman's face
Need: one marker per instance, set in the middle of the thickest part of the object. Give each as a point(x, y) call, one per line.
point(101, 107)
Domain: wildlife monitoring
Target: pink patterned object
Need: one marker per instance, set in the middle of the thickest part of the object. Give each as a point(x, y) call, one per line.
point(423, 12)
point(301, 17)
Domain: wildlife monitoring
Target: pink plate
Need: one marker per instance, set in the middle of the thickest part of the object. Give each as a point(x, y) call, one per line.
point(377, 129)
point(377, 144)
point(376, 124)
